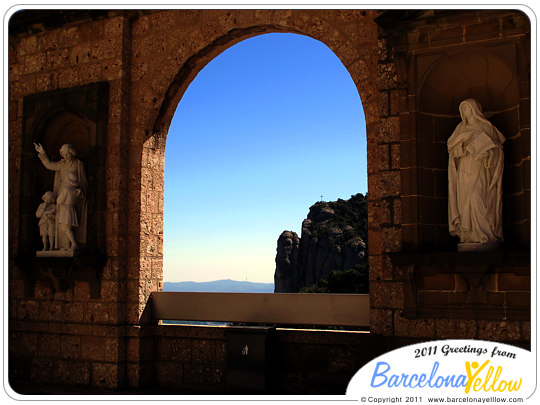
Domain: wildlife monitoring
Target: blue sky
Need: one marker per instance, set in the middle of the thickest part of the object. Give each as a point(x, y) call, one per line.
point(263, 131)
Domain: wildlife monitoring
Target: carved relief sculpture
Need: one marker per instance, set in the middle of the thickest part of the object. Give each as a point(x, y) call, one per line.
point(475, 168)
point(70, 186)
point(46, 213)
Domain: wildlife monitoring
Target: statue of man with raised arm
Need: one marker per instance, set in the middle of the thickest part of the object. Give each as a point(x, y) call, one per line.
point(68, 171)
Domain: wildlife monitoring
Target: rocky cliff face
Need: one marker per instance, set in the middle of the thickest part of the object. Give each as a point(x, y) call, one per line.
point(332, 238)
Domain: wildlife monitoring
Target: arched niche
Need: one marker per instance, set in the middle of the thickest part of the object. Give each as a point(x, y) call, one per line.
point(489, 75)
point(77, 116)
point(67, 127)
point(61, 128)
point(480, 74)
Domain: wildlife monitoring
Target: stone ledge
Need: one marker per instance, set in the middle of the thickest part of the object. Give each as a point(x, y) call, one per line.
point(58, 253)
point(466, 285)
point(448, 260)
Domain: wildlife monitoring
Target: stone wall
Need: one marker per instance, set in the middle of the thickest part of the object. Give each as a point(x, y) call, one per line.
point(431, 61)
point(194, 360)
point(84, 322)
point(62, 334)
point(147, 59)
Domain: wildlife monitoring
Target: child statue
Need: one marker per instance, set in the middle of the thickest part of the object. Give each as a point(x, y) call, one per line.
point(46, 214)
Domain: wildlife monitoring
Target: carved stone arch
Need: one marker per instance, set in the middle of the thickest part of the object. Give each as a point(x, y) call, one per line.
point(359, 57)
point(194, 65)
point(360, 69)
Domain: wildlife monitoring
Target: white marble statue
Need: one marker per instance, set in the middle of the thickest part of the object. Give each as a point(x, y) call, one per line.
point(46, 213)
point(66, 212)
point(70, 186)
point(475, 168)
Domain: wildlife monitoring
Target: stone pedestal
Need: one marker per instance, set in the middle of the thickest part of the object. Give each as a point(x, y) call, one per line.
point(478, 247)
point(58, 253)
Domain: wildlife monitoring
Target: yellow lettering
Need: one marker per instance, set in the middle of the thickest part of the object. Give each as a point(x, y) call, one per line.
point(488, 376)
point(501, 387)
point(516, 386)
point(487, 384)
point(497, 374)
point(470, 375)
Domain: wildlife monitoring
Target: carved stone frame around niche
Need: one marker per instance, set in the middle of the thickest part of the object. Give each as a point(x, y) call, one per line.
point(78, 116)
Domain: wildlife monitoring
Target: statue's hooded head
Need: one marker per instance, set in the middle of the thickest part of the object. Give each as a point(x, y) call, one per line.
point(470, 108)
point(474, 107)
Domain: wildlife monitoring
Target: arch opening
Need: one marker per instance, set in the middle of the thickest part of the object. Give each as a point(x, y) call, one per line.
point(247, 126)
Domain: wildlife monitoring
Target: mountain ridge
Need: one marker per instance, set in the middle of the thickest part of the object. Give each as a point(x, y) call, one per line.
point(226, 285)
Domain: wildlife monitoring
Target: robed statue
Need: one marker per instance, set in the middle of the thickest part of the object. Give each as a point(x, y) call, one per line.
point(70, 187)
point(475, 168)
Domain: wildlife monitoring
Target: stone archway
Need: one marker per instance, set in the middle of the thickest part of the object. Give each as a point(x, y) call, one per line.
point(219, 31)
point(361, 65)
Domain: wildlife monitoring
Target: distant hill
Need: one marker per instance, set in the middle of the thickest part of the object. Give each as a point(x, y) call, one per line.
point(219, 286)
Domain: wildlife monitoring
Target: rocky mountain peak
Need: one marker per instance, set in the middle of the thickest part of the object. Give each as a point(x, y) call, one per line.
point(333, 238)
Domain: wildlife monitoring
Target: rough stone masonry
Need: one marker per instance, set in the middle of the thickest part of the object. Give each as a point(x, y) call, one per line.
point(111, 79)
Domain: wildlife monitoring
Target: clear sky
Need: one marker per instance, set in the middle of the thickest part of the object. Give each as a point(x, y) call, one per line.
point(263, 131)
